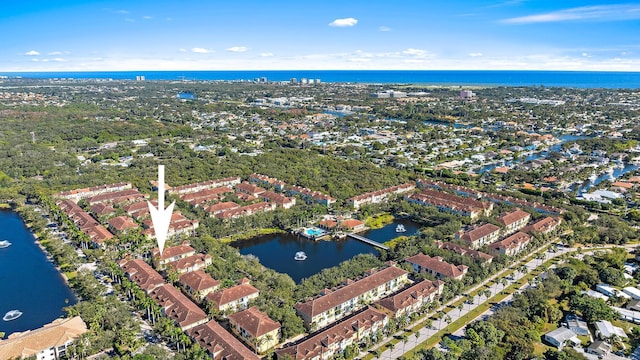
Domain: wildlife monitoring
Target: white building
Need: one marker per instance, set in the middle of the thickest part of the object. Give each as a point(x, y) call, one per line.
point(49, 342)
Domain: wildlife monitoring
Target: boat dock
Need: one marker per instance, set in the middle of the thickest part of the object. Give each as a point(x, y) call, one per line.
point(368, 241)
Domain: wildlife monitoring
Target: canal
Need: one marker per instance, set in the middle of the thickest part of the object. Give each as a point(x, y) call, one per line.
point(276, 251)
point(29, 282)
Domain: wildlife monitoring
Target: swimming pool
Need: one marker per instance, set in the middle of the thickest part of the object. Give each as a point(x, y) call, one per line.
point(315, 232)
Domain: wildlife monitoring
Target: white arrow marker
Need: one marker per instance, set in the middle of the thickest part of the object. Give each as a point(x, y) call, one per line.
point(161, 217)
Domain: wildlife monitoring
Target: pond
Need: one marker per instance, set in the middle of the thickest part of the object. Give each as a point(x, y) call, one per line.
point(277, 251)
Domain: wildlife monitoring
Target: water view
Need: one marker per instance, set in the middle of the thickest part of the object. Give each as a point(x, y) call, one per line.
point(277, 251)
point(29, 283)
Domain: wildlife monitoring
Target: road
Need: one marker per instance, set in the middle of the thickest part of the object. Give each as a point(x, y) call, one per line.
point(455, 314)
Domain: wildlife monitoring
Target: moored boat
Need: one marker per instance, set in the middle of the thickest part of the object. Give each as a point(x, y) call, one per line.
point(300, 255)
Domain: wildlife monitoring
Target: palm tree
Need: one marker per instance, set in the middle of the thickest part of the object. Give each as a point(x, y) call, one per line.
point(390, 346)
point(417, 336)
point(405, 339)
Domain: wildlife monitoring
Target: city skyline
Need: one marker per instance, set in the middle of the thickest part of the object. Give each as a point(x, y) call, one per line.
point(286, 35)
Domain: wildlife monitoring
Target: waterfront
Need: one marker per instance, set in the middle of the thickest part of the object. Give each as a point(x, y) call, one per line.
point(29, 282)
point(276, 251)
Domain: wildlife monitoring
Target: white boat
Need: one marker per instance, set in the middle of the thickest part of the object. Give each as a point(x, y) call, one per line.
point(400, 228)
point(12, 315)
point(300, 255)
point(4, 244)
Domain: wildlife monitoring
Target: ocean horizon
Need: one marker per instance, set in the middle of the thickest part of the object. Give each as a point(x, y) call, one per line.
point(574, 79)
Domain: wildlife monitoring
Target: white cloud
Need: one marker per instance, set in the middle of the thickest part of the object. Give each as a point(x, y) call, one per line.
point(35, 60)
point(475, 54)
point(147, 17)
point(346, 22)
point(58, 60)
point(238, 49)
point(585, 54)
point(415, 52)
point(124, 12)
point(32, 53)
point(199, 50)
point(55, 53)
point(267, 54)
point(592, 13)
point(384, 28)
point(182, 50)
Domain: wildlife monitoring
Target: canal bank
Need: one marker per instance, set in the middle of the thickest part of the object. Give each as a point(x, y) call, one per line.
point(29, 281)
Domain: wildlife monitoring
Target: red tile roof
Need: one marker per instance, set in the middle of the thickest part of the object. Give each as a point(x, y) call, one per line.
point(323, 303)
point(198, 260)
point(479, 232)
point(172, 251)
point(234, 293)
point(475, 254)
point(177, 306)
point(512, 217)
point(543, 226)
point(220, 343)
point(199, 280)
point(254, 322)
point(412, 295)
point(142, 274)
point(438, 265)
point(122, 223)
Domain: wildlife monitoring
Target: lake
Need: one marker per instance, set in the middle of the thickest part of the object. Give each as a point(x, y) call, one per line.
point(29, 282)
point(277, 251)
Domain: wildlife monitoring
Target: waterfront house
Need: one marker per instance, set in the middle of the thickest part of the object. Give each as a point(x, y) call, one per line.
point(437, 267)
point(256, 329)
point(379, 196)
point(49, 342)
point(246, 210)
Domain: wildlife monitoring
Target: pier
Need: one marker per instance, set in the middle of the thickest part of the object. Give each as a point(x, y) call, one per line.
point(368, 241)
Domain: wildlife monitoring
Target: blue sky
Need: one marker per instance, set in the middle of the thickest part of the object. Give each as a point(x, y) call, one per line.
point(90, 35)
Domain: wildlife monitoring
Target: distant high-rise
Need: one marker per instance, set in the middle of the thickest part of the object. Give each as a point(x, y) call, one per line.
point(303, 81)
point(294, 80)
point(139, 77)
point(317, 81)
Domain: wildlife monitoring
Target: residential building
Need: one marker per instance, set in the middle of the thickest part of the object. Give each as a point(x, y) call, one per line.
point(220, 344)
point(117, 197)
point(452, 203)
point(576, 324)
point(264, 180)
point(479, 236)
point(256, 329)
point(479, 256)
point(178, 307)
point(606, 331)
point(98, 235)
point(543, 226)
point(353, 225)
point(333, 305)
point(198, 284)
point(190, 263)
point(142, 274)
point(279, 199)
point(437, 267)
point(49, 342)
point(412, 298)
point(310, 196)
point(379, 196)
point(218, 208)
point(560, 337)
point(599, 348)
point(513, 221)
point(204, 185)
point(234, 298)
point(246, 210)
point(633, 292)
point(179, 225)
point(207, 195)
point(512, 245)
point(325, 344)
point(78, 194)
point(250, 189)
point(121, 224)
point(171, 254)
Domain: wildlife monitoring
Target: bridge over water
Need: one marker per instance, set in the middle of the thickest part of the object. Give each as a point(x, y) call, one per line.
point(367, 240)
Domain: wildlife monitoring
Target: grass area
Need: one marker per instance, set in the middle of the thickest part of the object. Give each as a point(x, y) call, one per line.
point(5, 206)
point(71, 275)
point(251, 234)
point(378, 221)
